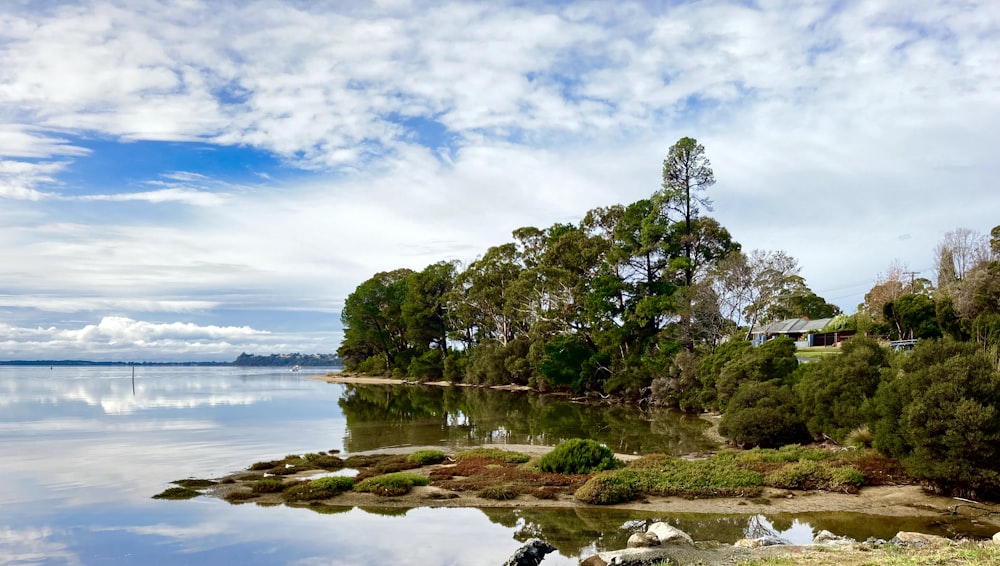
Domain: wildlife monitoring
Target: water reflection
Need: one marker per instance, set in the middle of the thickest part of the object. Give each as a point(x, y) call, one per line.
point(461, 416)
point(83, 456)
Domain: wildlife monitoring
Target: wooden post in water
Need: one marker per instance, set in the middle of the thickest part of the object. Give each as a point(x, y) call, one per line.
point(133, 380)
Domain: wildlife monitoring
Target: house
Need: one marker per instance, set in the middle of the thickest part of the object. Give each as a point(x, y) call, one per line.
point(803, 331)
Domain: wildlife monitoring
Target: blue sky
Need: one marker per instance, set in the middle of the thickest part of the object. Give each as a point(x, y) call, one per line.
point(193, 179)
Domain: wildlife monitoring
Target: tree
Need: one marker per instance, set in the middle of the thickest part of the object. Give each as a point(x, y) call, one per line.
point(374, 331)
point(833, 389)
point(887, 287)
point(763, 414)
point(912, 316)
point(686, 173)
point(797, 300)
point(939, 413)
point(749, 286)
point(965, 249)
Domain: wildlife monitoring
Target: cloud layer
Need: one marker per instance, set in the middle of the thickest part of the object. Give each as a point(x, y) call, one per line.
point(404, 133)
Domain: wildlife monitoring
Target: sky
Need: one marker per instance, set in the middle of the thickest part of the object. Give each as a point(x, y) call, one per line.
point(193, 179)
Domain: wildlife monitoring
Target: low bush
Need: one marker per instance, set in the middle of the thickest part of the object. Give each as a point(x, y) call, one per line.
point(389, 485)
point(177, 493)
point(426, 457)
point(498, 454)
point(787, 453)
point(579, 456)
point(608, 488)
point(499, 492)
point(320, 488)
point(191, 483)
point(763, 414)
point(268, 485)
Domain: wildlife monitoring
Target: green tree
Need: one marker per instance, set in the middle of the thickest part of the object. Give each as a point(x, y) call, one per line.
point(374, 331)
point(939, 413)
point(763, 414)
point(912, 316)
point(833, 389)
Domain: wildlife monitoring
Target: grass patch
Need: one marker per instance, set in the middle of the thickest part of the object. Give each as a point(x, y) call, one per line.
point(318, 489)
point(268, 485)
point(789, 453)
point(391, 485)
point(379, 464)
point(426, 457)
point(579, 456)
point(177, 493)
point(499, 492)
point(608, 488)
point(498, 454)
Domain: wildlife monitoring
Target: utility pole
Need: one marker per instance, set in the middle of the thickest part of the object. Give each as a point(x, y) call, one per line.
point(913, 279)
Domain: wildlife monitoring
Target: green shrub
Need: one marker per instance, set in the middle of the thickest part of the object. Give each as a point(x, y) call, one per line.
point(177, 493)
point(798, 475)
point(319, 488)
point(268, 485)
point(578, 456)
point(720, 476)
point(498, 492)
point(940, 415)
point(506, 456)
point(835, 388)
point(609, 488)
point(426, 457)
point(787, 453)
point(763, 414)
point(390, 485)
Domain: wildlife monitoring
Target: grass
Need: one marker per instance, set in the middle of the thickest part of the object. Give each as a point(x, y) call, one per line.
point(390, 485)
point(177, 493)
point(506, 456)
point(426, 457)
point(741, 474)
point(192, 483)
point(318, 489)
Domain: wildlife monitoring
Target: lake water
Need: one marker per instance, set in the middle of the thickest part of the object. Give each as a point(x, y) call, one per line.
point(83, 452)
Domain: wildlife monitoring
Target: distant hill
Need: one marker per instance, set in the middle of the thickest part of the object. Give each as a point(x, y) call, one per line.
point(282, 360)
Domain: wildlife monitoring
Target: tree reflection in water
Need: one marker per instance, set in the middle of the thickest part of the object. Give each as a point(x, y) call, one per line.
point(391, 415)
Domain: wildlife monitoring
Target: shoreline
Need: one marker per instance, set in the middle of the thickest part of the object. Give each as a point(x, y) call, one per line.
point(350, 378)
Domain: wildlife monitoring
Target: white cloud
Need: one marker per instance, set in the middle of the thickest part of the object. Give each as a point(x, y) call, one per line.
point(832, 129)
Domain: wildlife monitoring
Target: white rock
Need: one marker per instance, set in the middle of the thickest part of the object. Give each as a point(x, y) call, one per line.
point(668, 534)
point(996, 538)
point(642, 540)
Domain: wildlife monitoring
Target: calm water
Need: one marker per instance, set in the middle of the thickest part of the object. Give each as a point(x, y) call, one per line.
point(82, 454)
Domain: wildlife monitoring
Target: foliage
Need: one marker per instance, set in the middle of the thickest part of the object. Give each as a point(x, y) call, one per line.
point(498, 454)
point(833, 389)
point(318, 489)
point(609, 488)
point(763, 414)
point(939, 413)
point(578, 456)
point(268, 485)
point(498, 492)
point(391, 485)
point(773, 360)
point(177, 493)
point(426, 457)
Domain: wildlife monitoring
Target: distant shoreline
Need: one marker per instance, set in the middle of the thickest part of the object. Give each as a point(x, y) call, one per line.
point(88, 363)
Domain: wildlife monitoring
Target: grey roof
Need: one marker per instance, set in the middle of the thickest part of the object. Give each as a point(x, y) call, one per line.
point(793, 326)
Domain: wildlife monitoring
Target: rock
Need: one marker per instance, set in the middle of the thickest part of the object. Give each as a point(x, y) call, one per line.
point(630, 557)
point(830, 539)
point(996, 538)
point(531, 554)
point(918, 539)
point(759, 542)
point(643, 540)
point(667, 534)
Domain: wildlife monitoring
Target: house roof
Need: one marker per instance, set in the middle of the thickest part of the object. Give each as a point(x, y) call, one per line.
point(793, 326)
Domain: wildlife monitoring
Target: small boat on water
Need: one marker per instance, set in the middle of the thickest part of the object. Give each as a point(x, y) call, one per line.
point(296, 367)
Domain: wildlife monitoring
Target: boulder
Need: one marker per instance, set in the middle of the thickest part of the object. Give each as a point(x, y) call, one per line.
point(531, 554)
point(830, 539)
point(996, 538)
point(643, 540)
point(668, 534)
point(918, 539)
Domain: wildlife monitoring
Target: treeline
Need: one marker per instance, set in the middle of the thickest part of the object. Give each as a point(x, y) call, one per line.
point(281, 360)
point(655, 302)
